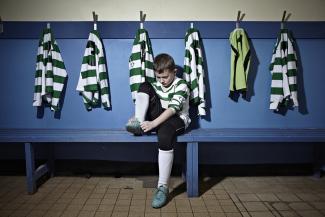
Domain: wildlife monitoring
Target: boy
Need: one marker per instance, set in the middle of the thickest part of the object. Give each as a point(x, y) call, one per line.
point(162, 106)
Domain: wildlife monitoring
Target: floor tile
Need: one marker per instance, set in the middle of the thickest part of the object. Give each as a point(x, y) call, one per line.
point(299, 196)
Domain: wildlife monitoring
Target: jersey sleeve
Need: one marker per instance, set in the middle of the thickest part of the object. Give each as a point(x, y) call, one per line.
point(179, 97)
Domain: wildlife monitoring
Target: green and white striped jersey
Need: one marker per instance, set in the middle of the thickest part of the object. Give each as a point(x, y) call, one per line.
point(284, 72)
point(50, 73)
point(141, 62)
point(193, 69)
point(176, 97)
point(93, 79)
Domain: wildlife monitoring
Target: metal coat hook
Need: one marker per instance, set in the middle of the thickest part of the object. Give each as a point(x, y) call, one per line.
point(240, 17)
point(1, 26)
point(284, 18)
point(191, 25)
point(48, 25)
point(142, 19)
point(95, 19)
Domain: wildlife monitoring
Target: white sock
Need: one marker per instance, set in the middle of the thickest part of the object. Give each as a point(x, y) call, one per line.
point(141, 106)
point(165, 164)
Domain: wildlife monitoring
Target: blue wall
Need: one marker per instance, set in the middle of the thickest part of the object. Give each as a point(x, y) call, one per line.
point(17, 74)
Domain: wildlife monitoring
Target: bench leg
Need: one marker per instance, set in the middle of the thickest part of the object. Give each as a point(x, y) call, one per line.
point(30, 168)
point(184, 173)
point(317, 160)
point(51, 160)
point(34, 174)
point(192, 169)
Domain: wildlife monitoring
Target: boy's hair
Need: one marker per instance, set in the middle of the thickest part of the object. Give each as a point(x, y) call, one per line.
point(162, 62)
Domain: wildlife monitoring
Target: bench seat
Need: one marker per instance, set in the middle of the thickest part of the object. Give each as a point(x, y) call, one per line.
point(191, 138)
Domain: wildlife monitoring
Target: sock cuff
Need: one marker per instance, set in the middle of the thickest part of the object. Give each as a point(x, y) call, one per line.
point(167, 151)
point(141, 94)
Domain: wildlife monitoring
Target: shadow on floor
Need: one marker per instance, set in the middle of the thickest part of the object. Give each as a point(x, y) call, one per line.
point(205, 184)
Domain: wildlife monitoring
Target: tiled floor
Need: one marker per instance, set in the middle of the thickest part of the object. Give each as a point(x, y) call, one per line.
point(122, 197)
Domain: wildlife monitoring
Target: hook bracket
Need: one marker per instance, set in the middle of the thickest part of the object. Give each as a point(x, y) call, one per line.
point(284, 18)
point(95, 19)
point(240, 17)
point(142, 19)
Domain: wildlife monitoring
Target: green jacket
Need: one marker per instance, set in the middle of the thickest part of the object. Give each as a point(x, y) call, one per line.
point(240, 61)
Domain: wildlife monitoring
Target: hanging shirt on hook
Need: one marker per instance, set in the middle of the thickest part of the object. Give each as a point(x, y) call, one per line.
point(240, 62)
point(50, 73)
point(284, 72)
point(141, 61)
point(193, 69)
point(93, 79)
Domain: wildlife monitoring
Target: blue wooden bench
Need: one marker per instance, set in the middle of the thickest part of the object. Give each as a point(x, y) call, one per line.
point(192, 140)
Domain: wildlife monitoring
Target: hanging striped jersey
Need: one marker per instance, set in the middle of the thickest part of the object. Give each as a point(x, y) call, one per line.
point(141, 61)
point(240, 62)
point(176, 97)
point(193, 69)
point(50, 73)
point(284, 72)
point(93, 79)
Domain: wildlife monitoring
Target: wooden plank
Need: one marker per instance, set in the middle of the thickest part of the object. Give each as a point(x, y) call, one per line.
point(197, 135)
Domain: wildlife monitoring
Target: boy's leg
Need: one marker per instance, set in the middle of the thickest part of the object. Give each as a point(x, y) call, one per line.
point(155, 109)
point(165, 164)
point(147, 106)
point(141, 106)
point(167, 134)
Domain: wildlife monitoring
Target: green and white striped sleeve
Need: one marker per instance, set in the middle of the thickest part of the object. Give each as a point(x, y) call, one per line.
point(179, 96)
point(59, 75)
point(40, 70)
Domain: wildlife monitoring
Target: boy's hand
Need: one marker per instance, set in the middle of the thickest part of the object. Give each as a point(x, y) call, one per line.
point(147, 126)
point(131, 119)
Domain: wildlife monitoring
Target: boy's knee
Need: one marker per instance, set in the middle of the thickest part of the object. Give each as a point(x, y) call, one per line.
point(166, 138)
point(145, 87)
point(165, 146)
point(165, 142)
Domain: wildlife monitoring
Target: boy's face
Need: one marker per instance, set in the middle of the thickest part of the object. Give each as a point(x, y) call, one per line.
point(166, 77)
